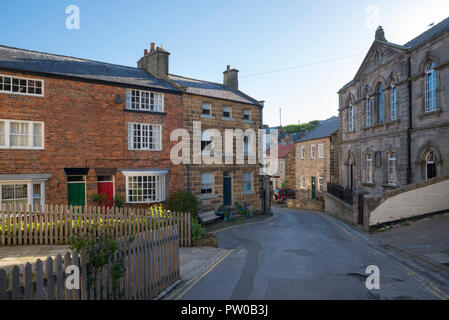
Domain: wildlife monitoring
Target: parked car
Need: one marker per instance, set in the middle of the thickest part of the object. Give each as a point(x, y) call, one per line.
point(281, 195)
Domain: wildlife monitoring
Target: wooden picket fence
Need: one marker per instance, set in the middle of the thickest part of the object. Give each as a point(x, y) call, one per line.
point(56, 225)
point(150, 261)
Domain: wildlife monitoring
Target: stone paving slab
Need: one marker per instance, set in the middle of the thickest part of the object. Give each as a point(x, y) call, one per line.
point(21, 255)
point(194, 260)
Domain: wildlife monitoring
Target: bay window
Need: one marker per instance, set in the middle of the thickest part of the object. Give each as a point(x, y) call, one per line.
point(145, 186)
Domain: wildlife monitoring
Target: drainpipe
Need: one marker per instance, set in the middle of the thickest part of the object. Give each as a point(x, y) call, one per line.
point(410, 123)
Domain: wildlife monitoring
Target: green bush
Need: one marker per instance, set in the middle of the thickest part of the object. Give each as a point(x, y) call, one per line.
point(119, 201)
point(182, 201)
point(197, 230)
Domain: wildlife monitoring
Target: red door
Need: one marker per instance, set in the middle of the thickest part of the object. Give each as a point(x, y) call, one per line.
point(108, 189)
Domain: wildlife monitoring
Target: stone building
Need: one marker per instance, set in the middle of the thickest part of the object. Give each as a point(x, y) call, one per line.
point(317, 159)
point(394, 115)
point(73, 127)
point(215, 106)
point(285, 158)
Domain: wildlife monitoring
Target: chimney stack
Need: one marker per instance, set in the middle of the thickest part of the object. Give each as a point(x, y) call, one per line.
point(156, 62)
point(380, 34)
point(231, 78)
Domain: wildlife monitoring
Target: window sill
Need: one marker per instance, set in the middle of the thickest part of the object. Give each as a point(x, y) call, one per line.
point(208, 196)
point(146, 111)
point(227, 119)
point(350, 131)
point(434, 112)
point(206, 116)
point(249, 193)
point(390, 186)
point(368, 184)
point(248, 121)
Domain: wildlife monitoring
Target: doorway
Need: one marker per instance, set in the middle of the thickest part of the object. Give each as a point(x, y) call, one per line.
point(76, 190)
point(106, 187)
point(227, 189)
point(313, 188)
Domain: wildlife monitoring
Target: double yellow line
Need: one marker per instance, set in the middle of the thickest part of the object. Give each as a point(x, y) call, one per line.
point(179, 293)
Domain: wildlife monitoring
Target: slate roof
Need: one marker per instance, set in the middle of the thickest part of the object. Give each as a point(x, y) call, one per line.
point(326, 129)
point(212, 89)
point(422, 38)
point(40, 62)
point(283, 149)
point(429, 34)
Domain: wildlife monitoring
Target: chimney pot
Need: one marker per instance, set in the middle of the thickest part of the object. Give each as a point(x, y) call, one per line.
point(152, 46)
point(145, 52)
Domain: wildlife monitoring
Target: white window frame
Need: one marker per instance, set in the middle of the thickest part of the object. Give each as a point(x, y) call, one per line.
point(394, 103)
point(210, 184)
point(7, 135)
point(227, 109)
point(207, 138)
point(391, 173)
point(312, 151)
point(159, 189)
point(368, 111)
point(145, 100)
point(303, 152)
point(145, 127)
point(431, 94)
point(351, 117)
point(246, 182)
point(303, 182)
point(321, 184)
point(2, 90)
point(206, 106)
point(247, 113)
point(369, 168)
point(30, 192)
point(321, 151)
point(281, 165)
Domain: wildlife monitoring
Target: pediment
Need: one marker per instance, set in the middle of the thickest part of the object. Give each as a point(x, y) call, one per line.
point(379, 54)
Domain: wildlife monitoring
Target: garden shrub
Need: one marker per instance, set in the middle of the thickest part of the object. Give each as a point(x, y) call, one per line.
point(182, 201)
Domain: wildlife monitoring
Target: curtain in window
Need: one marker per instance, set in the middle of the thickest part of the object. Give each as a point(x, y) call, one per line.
point(19, 134)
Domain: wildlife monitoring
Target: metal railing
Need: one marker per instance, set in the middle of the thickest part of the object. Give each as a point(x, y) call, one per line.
point(341, 193)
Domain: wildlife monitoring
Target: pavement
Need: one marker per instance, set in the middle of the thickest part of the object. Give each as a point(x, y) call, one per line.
point(426, 239)
point(308, 255)
point(21, 255)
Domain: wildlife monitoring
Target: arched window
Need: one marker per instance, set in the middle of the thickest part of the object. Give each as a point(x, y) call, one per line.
point(394, 102)
point(380, 103)
point(431, 166)
point(431, 87)
point(351, 117)
point(368, 111)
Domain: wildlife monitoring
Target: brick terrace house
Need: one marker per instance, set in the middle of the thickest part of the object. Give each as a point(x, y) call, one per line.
point(317, 158)
point(222, 106)
point(394, 114)
point(71, 127)
point(215, 106)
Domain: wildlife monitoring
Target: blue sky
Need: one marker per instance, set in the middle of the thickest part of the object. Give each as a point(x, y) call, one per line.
point(252, 36)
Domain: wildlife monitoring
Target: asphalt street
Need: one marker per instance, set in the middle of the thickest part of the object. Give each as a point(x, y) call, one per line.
point(309, 255)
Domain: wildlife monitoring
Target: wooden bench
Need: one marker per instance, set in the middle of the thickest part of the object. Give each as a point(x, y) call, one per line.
point(208, 216)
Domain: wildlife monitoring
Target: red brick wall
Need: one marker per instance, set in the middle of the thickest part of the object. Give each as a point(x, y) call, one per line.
point(85, 127)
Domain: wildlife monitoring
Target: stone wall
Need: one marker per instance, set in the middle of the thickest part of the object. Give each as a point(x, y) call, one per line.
point(339, 209)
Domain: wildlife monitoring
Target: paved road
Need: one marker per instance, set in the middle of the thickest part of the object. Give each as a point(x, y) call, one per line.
point(306, 255)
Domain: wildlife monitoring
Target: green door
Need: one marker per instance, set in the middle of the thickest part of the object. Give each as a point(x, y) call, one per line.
point(76, 193)
point(313, 188)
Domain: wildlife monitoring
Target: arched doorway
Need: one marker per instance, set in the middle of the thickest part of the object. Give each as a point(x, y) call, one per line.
point(431, 166)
